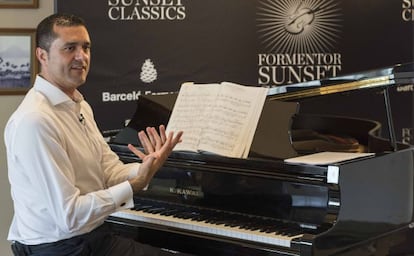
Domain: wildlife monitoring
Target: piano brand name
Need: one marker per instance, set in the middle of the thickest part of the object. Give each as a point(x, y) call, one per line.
point(186, 191)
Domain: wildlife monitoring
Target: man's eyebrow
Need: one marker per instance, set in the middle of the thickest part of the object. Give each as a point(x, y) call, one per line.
point(77, 43)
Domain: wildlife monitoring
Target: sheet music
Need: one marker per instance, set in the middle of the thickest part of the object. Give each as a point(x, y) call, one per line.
point(218, 118)
point(189, 113)
point(325, 158)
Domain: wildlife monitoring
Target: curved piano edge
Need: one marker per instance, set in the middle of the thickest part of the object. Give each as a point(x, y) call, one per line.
point(377, 201)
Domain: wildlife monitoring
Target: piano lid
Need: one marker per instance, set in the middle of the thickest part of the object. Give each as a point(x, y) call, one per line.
point(376, 78)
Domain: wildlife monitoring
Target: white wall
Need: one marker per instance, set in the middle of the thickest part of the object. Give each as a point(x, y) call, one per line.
point(13, 18)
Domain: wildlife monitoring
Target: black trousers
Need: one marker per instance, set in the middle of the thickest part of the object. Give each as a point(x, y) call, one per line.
point(100, 242)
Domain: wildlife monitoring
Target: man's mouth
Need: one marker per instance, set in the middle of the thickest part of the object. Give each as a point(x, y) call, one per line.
point(79, 66)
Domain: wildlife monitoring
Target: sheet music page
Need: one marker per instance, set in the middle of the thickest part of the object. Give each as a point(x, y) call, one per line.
point(189, 113)
point(324, 158)
point(233, 120)
point(259, 97)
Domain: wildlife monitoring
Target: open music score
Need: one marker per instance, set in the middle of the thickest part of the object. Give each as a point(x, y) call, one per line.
point(324, 158)
point(217, 118)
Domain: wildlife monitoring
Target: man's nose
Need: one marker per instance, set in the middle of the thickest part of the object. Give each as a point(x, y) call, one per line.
point(81, 54)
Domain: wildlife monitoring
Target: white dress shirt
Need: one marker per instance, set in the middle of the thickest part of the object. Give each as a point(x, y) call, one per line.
point(64, 178)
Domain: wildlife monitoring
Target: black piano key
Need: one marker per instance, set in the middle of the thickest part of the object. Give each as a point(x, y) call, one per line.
point(142, 207)
point(155, 210)
point(169, 212)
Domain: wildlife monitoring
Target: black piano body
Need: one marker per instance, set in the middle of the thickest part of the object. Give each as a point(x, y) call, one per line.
point(207, 204)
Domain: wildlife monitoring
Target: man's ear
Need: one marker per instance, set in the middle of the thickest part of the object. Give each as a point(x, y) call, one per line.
point(41, 55)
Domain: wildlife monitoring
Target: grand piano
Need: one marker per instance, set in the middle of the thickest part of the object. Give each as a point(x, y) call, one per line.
point(206, 204)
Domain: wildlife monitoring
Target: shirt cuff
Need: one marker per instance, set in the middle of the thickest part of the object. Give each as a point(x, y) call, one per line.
point(122, 195)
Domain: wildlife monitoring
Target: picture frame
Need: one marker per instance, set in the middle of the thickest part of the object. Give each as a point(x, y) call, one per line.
point(18, 64)
point(19, 4)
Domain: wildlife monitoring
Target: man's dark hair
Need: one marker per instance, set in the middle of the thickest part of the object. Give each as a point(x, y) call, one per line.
point(44, 32)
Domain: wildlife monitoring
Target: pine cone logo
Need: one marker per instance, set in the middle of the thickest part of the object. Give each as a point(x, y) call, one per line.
point(148, 72)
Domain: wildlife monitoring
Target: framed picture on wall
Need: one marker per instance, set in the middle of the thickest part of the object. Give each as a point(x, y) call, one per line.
point(18, 65)
point(19, 3)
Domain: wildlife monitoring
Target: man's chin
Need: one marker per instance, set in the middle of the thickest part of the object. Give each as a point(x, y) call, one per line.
point(79, 76)
point(79, 82)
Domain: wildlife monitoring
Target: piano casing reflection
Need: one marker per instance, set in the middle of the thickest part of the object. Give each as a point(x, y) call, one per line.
point(207, 204)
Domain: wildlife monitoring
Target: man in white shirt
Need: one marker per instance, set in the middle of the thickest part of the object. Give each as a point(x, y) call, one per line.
point(64, 178)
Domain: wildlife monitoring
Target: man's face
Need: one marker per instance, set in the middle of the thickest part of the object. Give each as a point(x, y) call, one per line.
point(66, 65)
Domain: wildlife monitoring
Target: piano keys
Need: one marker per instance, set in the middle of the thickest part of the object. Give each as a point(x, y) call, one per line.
point(225, 225)
point(207, 204)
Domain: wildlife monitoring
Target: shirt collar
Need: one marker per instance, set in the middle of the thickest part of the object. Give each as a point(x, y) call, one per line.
point(53, 93)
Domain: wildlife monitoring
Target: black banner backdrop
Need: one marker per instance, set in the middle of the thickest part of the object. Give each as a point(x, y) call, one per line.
point(152, 46)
